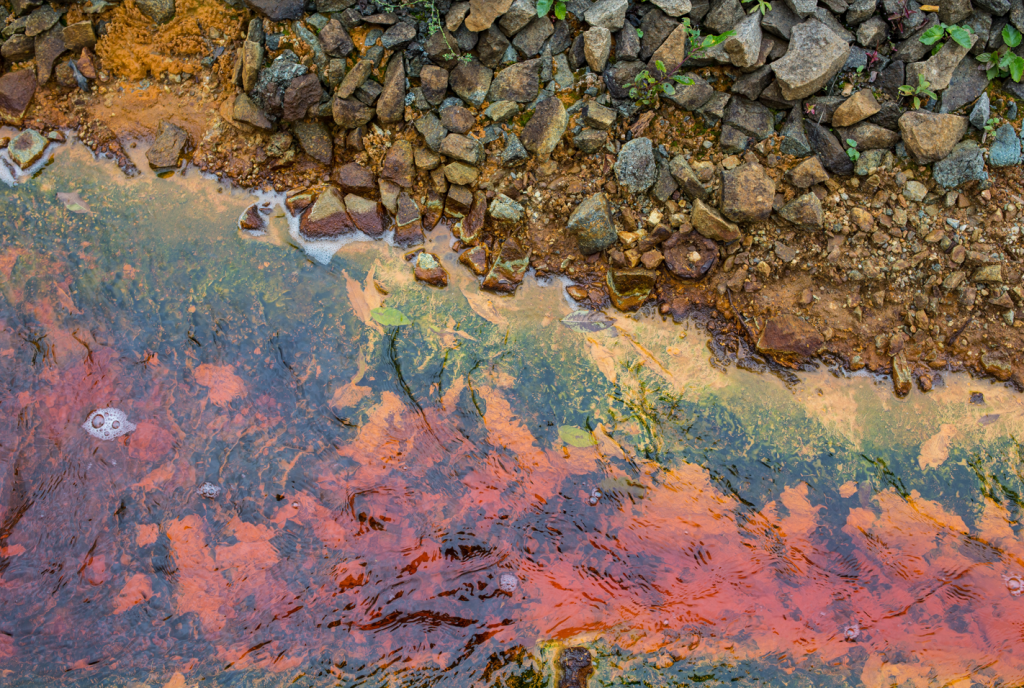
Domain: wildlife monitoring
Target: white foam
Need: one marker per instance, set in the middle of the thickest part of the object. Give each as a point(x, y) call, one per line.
point(108, 424)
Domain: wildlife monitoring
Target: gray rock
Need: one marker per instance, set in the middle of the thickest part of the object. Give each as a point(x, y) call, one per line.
point(967, 84)
point(891, 78)
point(744, 46)
point(996, 7)
point(466, 39)
point(673, 8)
point(750, 117)
point(826, 18)
point(981, 112)
point(598, 116)
point(938, 69)
point(530, 40)
point(491, 46)
point(733, 140)
point(27, 148)
point(868, 162)
point(665, 186)
point(519, 82)
point(694, 95)
point(713, 110)
point(563, 75)
point(981, 24)
point(627, 43)
point(610, 14)
point(618, 78)
point(723, 16)
point(954, 11)
point(802, 8)
point(514, 152)
point(398, 35)
point(751, 85)
point(545, 129)
point(687, 179)
point(591, 223)
point(911, 49)
point(794, 137)
point(433, 132)
point(505, 209)
point(278, 10)
point(815, 55)
point(873, 32)
point(471, 81)
point(597, 44)
point(462, 148)
point(828, 149)
point(590, 140)
point(521, 13)
point(888, 116)
point(861, 10)
point(561, 39)
point(635, 168)
point(656, 27)
point(965, 164)
point(41, 19)
point(780, 20)
point(1005, 150)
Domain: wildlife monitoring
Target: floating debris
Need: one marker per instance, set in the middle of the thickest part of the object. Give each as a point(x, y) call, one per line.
point(208, 490)
point(108, 424)
point(1015, 584)
point(508, 583)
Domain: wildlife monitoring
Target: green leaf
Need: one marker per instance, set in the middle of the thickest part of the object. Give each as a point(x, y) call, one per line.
point(1011, 36)
point(543, 7)
point(936, 48)
point(659, 65)
point(961, 36)
point(929, 37)
point(984, 58)
point(639, 33)
point(390, 317)
point(1017, 68)
point(576, 437)
point(851, 143)
point(559, 10)
point(668, 89)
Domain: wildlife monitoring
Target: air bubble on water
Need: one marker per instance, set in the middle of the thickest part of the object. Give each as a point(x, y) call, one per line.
point(1015, 584)
point(595, 496)
point(208, 490)
point(108, 424)
point(508, 583)
point(852, 632)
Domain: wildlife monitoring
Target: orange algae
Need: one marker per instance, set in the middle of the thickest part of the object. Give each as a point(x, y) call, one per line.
point(134, 47)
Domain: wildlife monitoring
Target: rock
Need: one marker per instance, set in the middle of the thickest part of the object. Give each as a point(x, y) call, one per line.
point(245, 110)
point(966, 86)
point(996, 7)
point(608, 14)
point(514, 152)
point(627, 43)
point(724, 15)
point(794, 136)
point(278, 10)
point(399, 164)
point(79, 35)
point(870, 136)
point(873, 32)
point(804, 211)
point(929, 137)
point(802, 8)
point(303, 93)
point(530, 40)
point(491, 46)
point(518, 83)
point(460, 174)
point(656, 26)
point(160, 11)
point(914, 191)
point(1005, 150)
point(751, 85)
point(335, 39)
point(367, 216)
point(780, 20)
point(457, 119)
point(789, 339)
point(509, 267)
point(16, 91)
point(857, 107)
point(349, 113)
point(694, 95)
point(860, 10)
point(692, 257)
point(504, 209)
point(815, 55)
point(408, 223)
point(471, 81)
point(807, 174)
point(996, 366)
point(432, 130)
point(463, 148)
point(902, 380)
point(635, 168)
point(938, 69)
point(398, 35)
point(327, 218)
point(733, 140)
point(391, 105)
point(27, 148)
point(545, 129)
point(713, 111)
point(711, 225)
point(354, 178)
point(749, 117)
point(954, 11)
point(981, 112)
point(747, 194)
point(672, 52)
point(475, 259)
point(354, 79)
point(48, 47)
point(673, 8)
point(989, 274)
point(629, 288)
point(620, 76)
point(501, 111)
point(686, 178)
point(828, 149)
point(598, 116)
point(482, 13)
point(590, 140)
point(591, 223)
point(744, 46)
point(170, 143)
point(961, 166)
point(434, 82)
point(427, 269)
point(443, 49)
point(597, 43)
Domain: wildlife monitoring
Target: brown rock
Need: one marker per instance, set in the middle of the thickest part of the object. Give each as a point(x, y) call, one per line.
point(482, 13)
point(710, 224)
point(434, 82)
point(509, 267)
point(16, 91)
point(354, 178)
point(391, 103)
point(428, 269)
point(930, 137)
point(368, 216)
point(167, 148)
point(747, 194)
point(399, 164)
point(408, 225)
point(789, 339)
point(628, 289)
point(327, 218)
point(857, 107)
point(303, 92)
point(804, 211)
point(692, 257)
point(808, 173)
point(475, 259)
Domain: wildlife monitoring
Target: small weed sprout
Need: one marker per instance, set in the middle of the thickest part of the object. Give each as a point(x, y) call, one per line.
point(918, 92)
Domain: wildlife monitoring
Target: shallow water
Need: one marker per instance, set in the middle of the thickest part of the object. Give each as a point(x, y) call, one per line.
point(380, 486)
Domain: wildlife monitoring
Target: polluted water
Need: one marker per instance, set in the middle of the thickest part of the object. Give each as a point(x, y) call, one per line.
point(326, 473)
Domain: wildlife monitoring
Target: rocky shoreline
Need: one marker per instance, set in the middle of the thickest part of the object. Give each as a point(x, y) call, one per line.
point(786, 185)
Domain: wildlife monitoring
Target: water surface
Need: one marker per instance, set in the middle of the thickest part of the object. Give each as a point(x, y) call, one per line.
point(718, 525)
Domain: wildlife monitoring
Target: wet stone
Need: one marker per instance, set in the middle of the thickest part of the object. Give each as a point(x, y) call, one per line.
point(592, 225)
point(692, 257)
point(27, 148)
point(327, 218)
point(433, 209)
point(509, 268)
point(408, 227)
point(789, 339)
point(469, 231)
point(459, 201)
point(628, 289)
point(166, 150)
point(367, 216)
point(355, 178)
point(252, 220)
point(315, 141)
point(427, 269)
point(575, 667)
point(475, 258)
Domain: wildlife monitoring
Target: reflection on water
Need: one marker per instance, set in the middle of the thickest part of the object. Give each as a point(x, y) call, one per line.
point(310, 497)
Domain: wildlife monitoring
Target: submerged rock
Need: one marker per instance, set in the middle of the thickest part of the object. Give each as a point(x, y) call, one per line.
point(789, 339)
point(428, 269)
point(509, 267)
point(575, 667)
point(27, 148)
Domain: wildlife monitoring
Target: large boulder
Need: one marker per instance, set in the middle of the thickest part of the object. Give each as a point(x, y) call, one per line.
point(592, 225)
point(929, 137)
point(545, 128)
point(815, 55)
point(636, 168)
point(747, 193)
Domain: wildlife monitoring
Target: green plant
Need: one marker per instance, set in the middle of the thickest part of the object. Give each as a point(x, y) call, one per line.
point(918, 91)
point(432, 17)
point(648, 88)
point(960, 34)
point(1003, 62)
point(852, 150)
point(990, 126)
point(544, 6)
point(763, 5)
